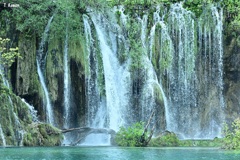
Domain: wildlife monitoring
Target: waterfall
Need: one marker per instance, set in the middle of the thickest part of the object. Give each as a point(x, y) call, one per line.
point(116, 75)
point(2, 136)
point(6, 84)
point(66, 81)
point(96, 114)
point(19, 130)
point(41, 58)
point(182, 71)
point(152, 84)
point(32, 111)
point(189, 71)
point(211, 48)
point(182, 76)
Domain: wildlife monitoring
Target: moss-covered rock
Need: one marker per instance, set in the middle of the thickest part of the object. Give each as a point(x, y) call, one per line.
point(232, 75)
point(18, 127)
point(40, 134)
point(24, 80)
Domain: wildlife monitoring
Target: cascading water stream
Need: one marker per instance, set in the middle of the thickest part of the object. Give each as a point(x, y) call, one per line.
point(40, 67)
point(66, 82)
point(2, 136)
point(32, 111)
point(19, 130)
point(1, 131)
point(95, 103)
point(187, 112)
point(116, 75)
point(5, 83)
point(182, 74)
point(211, 47)
point(152, 84)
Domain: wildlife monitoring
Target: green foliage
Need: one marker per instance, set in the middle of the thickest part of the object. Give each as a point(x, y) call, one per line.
point(171, 140)
point(4, 89)
point(136, 50)
point(130, 136)
point(197, 6)
point(31, 15)
point(7, 55)
point(168, 140)
point(232, 16)
point(232, 136)
point(217, 142)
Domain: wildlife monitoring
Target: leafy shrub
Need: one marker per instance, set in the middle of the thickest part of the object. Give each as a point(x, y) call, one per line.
point(232, 136)
point(131, 136)
point(169, 139)
point(216, 142)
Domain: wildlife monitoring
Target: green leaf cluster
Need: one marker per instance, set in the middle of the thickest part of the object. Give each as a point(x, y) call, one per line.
point(136, 49)
point(232, 16)
point(31, 15)
point(130, 136)
point(232, 135)
point(7, 55)
point(168, 140)
point(4, 89)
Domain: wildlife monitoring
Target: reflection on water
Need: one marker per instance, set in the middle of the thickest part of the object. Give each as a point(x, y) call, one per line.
point(116, 153)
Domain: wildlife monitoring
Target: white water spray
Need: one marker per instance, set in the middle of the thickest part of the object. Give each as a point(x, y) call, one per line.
point(66, 81)
point(32, 111)
point(2, 136)
point(116, 75)
point(41, 59)
point(96, 114)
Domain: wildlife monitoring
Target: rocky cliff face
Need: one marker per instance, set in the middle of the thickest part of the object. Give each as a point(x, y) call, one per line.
point(232, 74)
point(25, 80)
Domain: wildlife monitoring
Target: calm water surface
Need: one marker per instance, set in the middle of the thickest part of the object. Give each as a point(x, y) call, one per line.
point(116, 153)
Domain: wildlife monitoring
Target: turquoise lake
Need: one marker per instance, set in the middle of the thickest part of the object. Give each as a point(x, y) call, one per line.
point(116, 153)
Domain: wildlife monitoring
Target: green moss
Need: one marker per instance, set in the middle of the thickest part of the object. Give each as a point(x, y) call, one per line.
point(168, 140)
point(171, 140)
point(217, 142)
point(158, 94)
point(40, 134)
point(101, 79)
point(162, 49)
point(36, 134)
